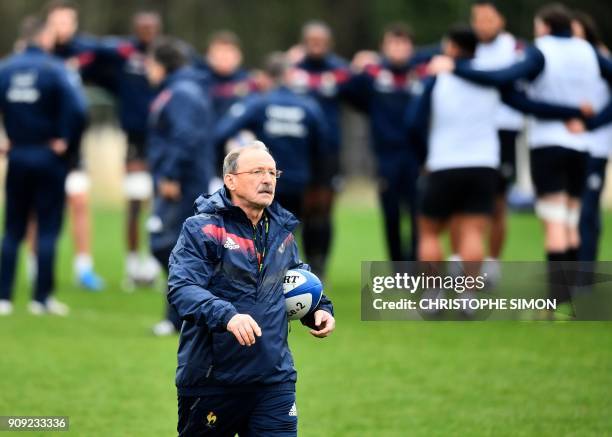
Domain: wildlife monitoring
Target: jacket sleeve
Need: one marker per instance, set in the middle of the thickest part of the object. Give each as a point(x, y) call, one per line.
point(527, 68)
point(191, 267)
point(324, 304)
point(183, 117)
point(601, 118)
point(519, 100)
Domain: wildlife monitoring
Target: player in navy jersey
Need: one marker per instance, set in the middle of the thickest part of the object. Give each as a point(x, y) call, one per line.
point(123, 59)
point(322, 75)
point(381, 86)
point(229, 82)
point(77, 51)
point(291, 125)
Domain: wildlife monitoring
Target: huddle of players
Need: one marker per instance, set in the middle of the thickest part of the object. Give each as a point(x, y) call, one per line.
point(169, 101)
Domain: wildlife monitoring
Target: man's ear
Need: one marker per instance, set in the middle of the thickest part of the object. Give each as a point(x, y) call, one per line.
point(229, 182)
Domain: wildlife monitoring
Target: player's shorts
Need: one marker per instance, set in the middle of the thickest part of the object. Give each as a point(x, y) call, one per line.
point(507, 168)
point(136, 148)
point(556, 169)
point(469, 190)
point(261, 413)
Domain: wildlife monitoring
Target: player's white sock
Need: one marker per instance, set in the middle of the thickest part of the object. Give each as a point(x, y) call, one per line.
point(83, 263)
point(491, 269)
point(132, 264)
point(31, 267)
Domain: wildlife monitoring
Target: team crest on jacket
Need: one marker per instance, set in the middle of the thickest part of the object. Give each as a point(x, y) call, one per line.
point(211, 419)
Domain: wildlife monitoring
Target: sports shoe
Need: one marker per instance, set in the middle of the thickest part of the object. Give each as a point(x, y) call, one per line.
point(36, 308)
point(90, 281)
point(56, 307)
point(164, 328)
point(6, 307)
point(52, 306)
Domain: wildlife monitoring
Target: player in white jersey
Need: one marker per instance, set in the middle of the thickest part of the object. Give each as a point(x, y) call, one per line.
point(497, 48)
point(583, 26)
point(457, 118)
point(563, 70)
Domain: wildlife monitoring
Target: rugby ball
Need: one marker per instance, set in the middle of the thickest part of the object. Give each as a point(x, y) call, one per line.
point(302, 291)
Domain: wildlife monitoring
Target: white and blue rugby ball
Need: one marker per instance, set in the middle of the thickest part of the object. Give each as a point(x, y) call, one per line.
point(303, 291)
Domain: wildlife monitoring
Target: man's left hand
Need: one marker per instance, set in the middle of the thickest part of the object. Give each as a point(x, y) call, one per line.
point(325, 323)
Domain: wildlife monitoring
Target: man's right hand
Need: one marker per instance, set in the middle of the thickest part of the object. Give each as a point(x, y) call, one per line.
point(244, 328)
point(59, 146)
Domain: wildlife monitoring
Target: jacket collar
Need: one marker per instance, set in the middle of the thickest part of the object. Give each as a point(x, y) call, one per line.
point(219, 202)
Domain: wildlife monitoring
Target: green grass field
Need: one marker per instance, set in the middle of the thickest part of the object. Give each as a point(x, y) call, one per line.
point(103, 368)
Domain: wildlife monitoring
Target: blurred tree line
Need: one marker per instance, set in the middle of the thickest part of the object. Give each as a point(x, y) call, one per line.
point(266, 25)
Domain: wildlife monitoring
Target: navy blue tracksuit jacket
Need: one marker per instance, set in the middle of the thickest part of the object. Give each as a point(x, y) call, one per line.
point(210, 281)
point(179, 141)
point(292, 127)
point(39, 102)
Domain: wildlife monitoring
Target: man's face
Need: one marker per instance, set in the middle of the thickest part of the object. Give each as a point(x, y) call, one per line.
point(487, 22)
point(450, 49)
point(253, 189)
point(397, 49)
point(146, 28)
point(540, 28)
point(224, 58)
point(578, 29)
point(155, 71)
point(317, 43)
point(64, 23)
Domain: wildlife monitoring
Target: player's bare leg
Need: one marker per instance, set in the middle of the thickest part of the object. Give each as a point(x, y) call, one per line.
point(138, 190)
point(77, 189)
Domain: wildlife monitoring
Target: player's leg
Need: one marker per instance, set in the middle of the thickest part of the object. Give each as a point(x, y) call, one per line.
point(590, 212)
point(77, 190)
point(410, 202)
point(318, 208)
point(472, 231)
point(138, 188)
point(219, 414)
point(19, 195)
point(389, 195)
point(507, 174)
point(275, 414)
point(430, 246)
point(577, 163)
point(49, 209)
point(550, 177)
point(435, 211)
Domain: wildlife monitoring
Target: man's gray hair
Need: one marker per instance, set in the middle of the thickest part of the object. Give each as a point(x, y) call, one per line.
point(316, 25)
point(230, 163)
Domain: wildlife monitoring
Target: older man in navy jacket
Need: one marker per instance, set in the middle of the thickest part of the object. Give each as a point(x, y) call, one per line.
point(235, 371)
